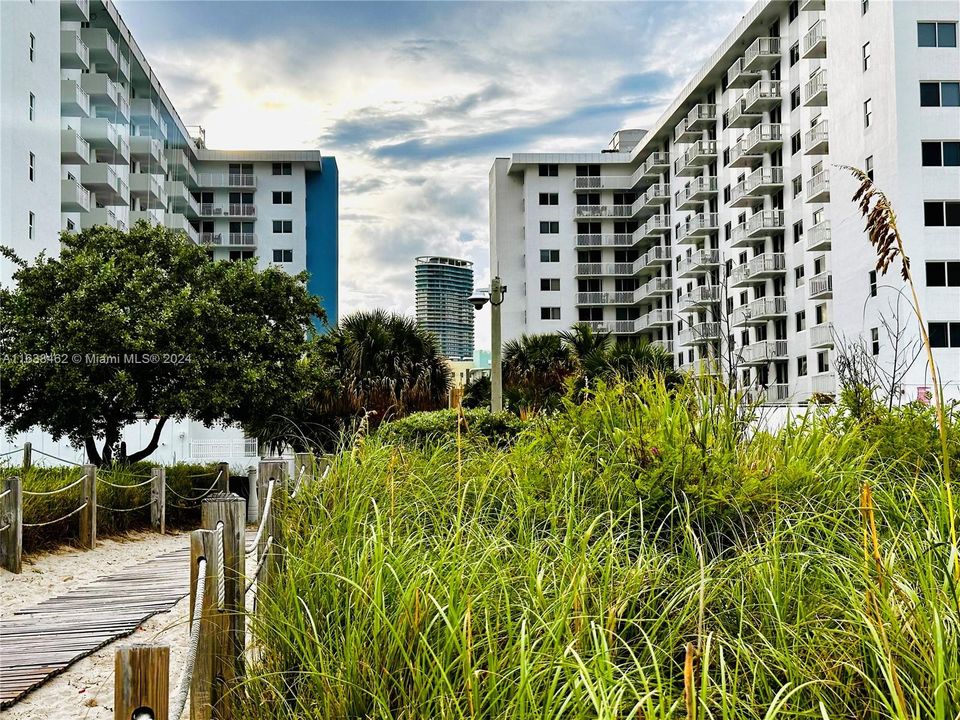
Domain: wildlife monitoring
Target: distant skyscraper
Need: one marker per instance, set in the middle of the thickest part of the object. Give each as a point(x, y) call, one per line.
point(443, 287)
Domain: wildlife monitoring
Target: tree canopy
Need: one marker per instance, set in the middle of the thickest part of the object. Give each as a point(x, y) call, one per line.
point(137, 325)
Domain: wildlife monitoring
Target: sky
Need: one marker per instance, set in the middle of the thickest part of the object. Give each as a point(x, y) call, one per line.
point(416, 99)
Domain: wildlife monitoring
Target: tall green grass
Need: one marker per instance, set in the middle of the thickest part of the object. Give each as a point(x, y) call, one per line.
point(643, 555)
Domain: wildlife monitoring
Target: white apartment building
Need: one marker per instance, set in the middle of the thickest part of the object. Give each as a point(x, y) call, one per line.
point(726, 232)
point(89, 137)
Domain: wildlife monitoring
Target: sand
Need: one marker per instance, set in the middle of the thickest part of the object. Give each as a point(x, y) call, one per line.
point(85, 690)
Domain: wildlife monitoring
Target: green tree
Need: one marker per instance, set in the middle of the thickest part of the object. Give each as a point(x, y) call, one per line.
point(535, 370)
point(140, 324)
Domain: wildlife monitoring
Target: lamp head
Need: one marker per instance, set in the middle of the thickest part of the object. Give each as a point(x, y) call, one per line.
point(478, 300)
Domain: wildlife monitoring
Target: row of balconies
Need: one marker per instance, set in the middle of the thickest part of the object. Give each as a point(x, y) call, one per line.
point(648, 172)
point(655, 287)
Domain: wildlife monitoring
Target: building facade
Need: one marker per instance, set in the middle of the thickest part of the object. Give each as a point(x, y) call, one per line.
point(727, 234)
point(443, 287)
point(89, 137)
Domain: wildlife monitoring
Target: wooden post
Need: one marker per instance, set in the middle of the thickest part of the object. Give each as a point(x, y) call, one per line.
point(204, 687)
point(230, 509)
point(223, 477)
point(158, 499)
point(11, 519)
point(141, 682)
point(27, 457)
point(253, 506)
point(88, 516)
point(275, 469)
point(304, 470)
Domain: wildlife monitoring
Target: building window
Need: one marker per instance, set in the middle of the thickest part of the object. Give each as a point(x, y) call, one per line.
point(940, 213)
point(70, 225)
point(726, 156)
point(798, 273)
point(937, 34)
point(549, 228)
point(31, 222)
point(33, 47)
point(549, 198)
point(282, 256)
point(943, 273)
point(795, 98)
point(282, 197)
point(872, 276)
point(868, 166)
point(801, 320)
point(549, 313)
point(726, 194)
point(944, 334)
point(939, 94)
point(823, 361)
point(31, 172)
point(550, 284)
point(797, 185)
point(802, 366)
point(794, 54)
point(798, 231)
point(864, 6)
point(237, 255)
point(795, 143)
point(940, 154)
point(549, 170)
point(875, 341)
point(282, 168)
point(550, 256)
point(33, 106)
point(283, 226)
point(866, 56)
point(794, 10)
point(867, 112)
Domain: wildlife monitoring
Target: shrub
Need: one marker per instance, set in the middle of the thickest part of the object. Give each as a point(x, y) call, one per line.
point(441, 425)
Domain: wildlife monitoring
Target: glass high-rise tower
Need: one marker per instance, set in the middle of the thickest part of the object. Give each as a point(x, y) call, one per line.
point(443, 287)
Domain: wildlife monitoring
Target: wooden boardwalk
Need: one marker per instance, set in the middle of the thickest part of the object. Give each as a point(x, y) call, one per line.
point(39, 642)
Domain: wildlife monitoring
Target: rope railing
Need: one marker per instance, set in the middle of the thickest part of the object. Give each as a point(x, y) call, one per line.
point(221, 576)
point(123, 486)
point(42, 493)
point(11, 452)
point(189, 663)
point(267, 503)
point(59, 519)
point(60, 459)
point(203, 494)
point(147, 504)
point(260, 562)
point(4, 493)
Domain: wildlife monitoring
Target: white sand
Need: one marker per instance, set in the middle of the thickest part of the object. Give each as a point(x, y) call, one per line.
point(85, 690)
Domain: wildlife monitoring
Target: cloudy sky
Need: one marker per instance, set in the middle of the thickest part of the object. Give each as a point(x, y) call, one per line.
point(415, 100)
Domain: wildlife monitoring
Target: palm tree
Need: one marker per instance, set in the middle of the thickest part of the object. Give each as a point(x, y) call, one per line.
point(535, 368)
point(584, 341)
point(630, 360)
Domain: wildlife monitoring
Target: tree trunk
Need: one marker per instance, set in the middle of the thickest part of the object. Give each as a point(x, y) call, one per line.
point(93, 455)
point(152, 445)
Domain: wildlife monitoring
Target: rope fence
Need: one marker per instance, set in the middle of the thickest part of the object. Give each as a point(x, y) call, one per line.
point(190, 661)
point(54, 522)
point(123, 486)
point(59, 459)
point(45, 493)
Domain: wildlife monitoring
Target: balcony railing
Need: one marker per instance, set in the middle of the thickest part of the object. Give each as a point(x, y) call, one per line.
point(760, 311)
point(815, 40)
point(696, 191)
point(820, 286)
point(764, 222)
point(752, 188)
point(667, 345)
point(815, 89)
point(821, 336)
point(602, 211)
point(699, 334)
point(603, 182)
point(655, 318)
point(763, 52)
point(739, 77)
point(700, 261)
point(242, 239)
point(698, 226)
point(824, 383)
point(697, 120)
point(653, 228)
point(73, 196)
point(74, 150)
point(652, 198)
point(603, 269)
point(700, 297)
point(654, 258)
point(818, 237)
point(656, 286)
point(74, 53)
point(75, 10)
point(702, 152)
point(233, 180)
point(818, 187)
point(817, 140)
point(74, 102)
point(739, 117)
point(762, 352)
point(604, 240)
point(759, 268)
point(232, 210)
point(762, 95)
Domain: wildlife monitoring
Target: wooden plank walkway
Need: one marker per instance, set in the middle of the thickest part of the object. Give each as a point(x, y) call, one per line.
point(39, 642)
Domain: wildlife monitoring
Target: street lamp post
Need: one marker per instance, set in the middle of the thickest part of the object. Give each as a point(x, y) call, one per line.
point(495, 297)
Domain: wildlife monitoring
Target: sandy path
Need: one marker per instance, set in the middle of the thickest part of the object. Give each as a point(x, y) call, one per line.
point(85, 690)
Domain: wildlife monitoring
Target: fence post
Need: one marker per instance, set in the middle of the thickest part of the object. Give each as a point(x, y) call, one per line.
point(141, 682)
point(229, 509)
point(11, 516)
point(253, 505)
point(304, 470)
point(88, 516)
point(27, 456)
point(223, 477)
point(158, 499)
point(204, 688)
point(275, 469)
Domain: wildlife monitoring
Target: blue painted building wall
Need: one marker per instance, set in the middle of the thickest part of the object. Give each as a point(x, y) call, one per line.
point(323, 235)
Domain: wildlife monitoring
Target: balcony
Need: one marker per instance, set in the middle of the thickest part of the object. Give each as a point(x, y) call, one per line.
point(602, 182)
point(101, 216)
point(820, 286)
point(763, 352)
point(763, 95)
point(614, 240)
point(105, 93)
point(105, 183)
point(229, 180)
point(759, 269)
point(75, 10)
point(697, 227)
point(751, 190)
point(103, 48)
point(738, 117)
point(701, 297)
point(148, 150)
point(817, 140)
point(824, 384)
point(100, 133)
point(74, 150)
point(762, 54)
point(74, 53)
point(813, 5)
point(763, 138)
point(815, 90)
point(145, 112)
point(665, 345)
point(655, 319)
point(73, 196)
point(655, 287)
point(698, 263)
point(652, 168)
point(821, 336)
point(605, 269)
point(181, 168)
point(591, 211)
point(695, 192)
point(701, 153)
point(700, 117)
point(176, 221)
point(652, 260)
point(652, 199)
point(818, 237)
point(699, 334)
point(179, 199)
point(605, 298)
point(652, 229)
point(815, 41)
point(145, 215)
point(763, 223)
point(739, 77)
point(246, 210)
point(760, 311)
point(818, 187)
point(74, 102)
point(149, 188)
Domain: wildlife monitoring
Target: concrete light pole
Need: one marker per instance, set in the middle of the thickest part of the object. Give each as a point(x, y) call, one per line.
point(495, 297)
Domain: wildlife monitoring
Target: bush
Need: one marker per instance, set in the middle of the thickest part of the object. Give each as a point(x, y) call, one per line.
point(441, 426)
